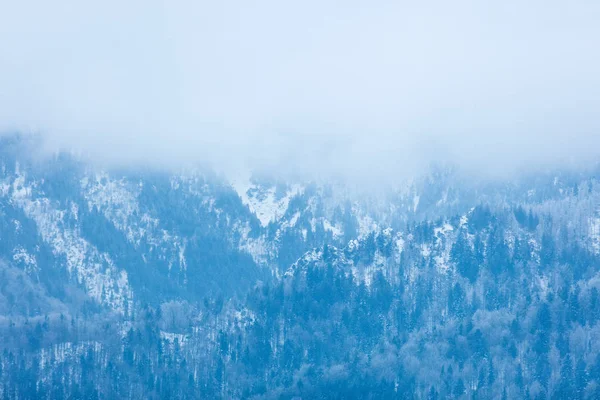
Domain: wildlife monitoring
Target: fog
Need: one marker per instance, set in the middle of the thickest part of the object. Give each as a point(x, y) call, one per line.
point(371, 90)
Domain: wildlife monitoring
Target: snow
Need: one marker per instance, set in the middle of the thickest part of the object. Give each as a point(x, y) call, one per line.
point(4, 188)
point(94, 270)
point(243, 318)
point(61, 352)
point(399, 246)
point(535, 250)
point(353, 245)
point(263, 202)
point(366, 225)
point(294, 219)
point(543, 284)
point(182, 261)
point(306, 259)
point(416, 200)
point(444, 198)
point(118, 204)
point(117, 200)
point(336, 230)
point(21, 256)
point(258, 248)
point(443, 230)
point(425, 250)
point(285, 224)
point(594, 233)
point(170, 338)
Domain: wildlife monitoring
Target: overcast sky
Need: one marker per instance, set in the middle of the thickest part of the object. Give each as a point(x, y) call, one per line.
point(371, 88)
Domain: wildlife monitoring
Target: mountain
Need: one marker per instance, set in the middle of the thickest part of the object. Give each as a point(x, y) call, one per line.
point(140, 283)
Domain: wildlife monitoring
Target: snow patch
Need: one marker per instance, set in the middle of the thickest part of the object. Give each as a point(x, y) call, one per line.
point(416, 200)
point(594, 233)
point(264, 202)
point(336, 230)
point(29, 262)
point(93, 269)
point(171, 337)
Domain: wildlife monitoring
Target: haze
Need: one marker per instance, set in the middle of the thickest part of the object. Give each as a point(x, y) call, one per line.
point(362, 89)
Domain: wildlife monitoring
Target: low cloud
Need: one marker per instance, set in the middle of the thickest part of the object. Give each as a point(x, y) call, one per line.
point(321, 88)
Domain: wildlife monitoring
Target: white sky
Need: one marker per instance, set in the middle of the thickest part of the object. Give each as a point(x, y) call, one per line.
point(373, 88)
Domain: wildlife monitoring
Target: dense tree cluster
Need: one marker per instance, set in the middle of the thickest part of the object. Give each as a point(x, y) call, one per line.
point(442, 290)
point(483, 312)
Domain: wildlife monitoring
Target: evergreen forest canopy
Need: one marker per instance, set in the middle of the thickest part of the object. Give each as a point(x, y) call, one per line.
point(133, 284)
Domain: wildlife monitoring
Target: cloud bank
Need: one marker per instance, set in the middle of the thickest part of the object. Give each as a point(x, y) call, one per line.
point(372, 89)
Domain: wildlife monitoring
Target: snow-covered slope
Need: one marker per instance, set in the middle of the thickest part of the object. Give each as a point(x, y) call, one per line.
point(125, 236)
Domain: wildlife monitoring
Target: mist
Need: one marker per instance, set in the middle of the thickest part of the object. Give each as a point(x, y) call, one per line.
point(334, 88)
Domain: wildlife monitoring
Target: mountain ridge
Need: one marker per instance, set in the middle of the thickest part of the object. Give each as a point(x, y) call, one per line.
point(236, 282)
